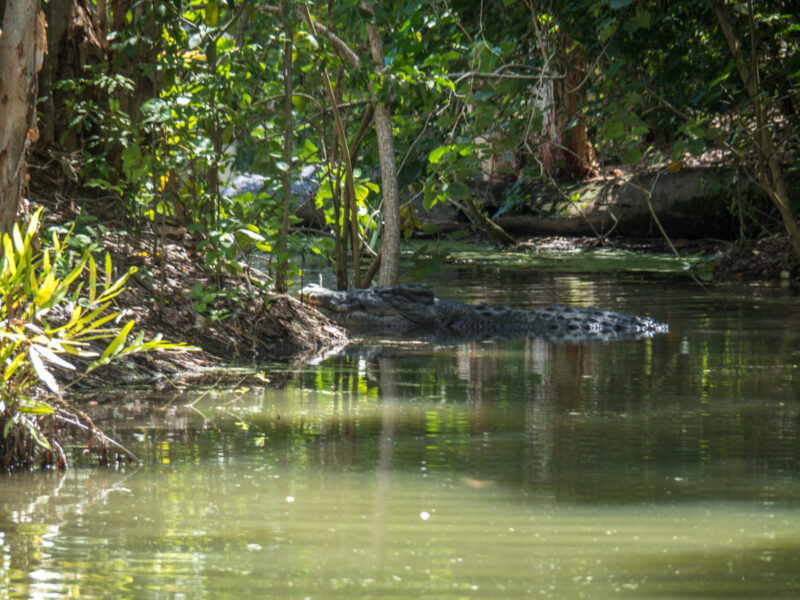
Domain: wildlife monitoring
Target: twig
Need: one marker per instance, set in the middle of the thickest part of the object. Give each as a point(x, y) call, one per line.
point(459, 77)
point(648, 198)
point(94, 430)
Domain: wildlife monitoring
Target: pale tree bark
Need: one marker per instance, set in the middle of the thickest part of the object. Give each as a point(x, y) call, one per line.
point(22, 46)
point(281, 284)
point(390, 236)
point(768, 172)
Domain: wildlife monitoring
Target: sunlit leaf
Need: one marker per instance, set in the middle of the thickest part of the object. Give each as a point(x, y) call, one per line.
point(437, 153)
point(252, 235)
point(92, 279)
point(36, 434)
point(54, 358)
point(19, 245)
point(8, 257)
point(15, 417)
point(12, 367)
point(42, 372)
point(212, 13)
point(33, 407)
point(114, 347)
point(107, 274)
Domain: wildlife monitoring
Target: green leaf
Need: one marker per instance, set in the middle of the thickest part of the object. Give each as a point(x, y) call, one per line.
point(632, 156)
point(117, 287)
point(212, 13)
point(612, 129)
point(15, 417)
point(677, 150)
point(92, 279)
point(697, 146)
point(251, 235)
point(19, 245)
point(36, 434)
point(73, 275)
point(115, 346)
point(615, 67)
point(8, 256)
point(643, 18)
point(12, 367)
point(437, 153)
point(34, 407)
point(457, 189)
point(606, 32)
point(107, 276)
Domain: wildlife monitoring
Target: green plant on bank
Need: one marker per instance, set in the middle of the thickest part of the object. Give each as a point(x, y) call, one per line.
point(102, 126)
point(35, 285)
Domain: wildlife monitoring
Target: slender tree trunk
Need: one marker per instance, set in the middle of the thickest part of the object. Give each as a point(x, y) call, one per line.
point(575, 152)
point(390, 237)
point(281, 274)
point(212, 175)
point(22, 46)
point(768, 172)
point(340, 243)
point(350, 194)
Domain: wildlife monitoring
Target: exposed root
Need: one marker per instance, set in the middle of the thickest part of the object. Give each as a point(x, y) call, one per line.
point(30, 440)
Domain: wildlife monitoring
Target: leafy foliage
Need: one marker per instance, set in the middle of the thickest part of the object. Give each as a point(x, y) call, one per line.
point(36, 286)
point(471, 88)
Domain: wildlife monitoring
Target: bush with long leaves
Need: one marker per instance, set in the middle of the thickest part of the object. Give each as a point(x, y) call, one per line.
point(35, 285)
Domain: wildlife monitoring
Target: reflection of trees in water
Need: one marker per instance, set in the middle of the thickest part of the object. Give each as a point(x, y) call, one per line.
point(562, 418)
point(577, 421)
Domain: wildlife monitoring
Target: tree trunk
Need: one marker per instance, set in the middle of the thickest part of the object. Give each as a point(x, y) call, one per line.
point(566, 149)
point(281, 285)
point(574, 153)
point(59, 16)
point(22, 46)
point(341, 135)
point(768, 171)
point(75, 43)
point(390, 238)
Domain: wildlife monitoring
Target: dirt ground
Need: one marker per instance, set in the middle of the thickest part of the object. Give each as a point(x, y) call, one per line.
point(269, 328)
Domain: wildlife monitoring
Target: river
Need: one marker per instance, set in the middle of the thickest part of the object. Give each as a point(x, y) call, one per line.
point(658, 468)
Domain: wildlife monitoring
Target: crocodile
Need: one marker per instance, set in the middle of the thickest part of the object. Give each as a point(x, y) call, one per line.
point(412, 311)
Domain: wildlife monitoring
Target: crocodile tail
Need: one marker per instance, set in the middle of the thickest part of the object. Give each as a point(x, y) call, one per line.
point(589, 321)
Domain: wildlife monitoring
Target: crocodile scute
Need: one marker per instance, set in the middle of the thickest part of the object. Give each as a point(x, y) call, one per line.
point(413, 311)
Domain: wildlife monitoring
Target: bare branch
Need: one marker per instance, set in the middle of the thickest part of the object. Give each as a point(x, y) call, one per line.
point(498, 74)
point(339, 45)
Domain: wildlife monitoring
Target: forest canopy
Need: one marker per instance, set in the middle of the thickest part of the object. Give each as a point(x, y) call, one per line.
point(148, 109)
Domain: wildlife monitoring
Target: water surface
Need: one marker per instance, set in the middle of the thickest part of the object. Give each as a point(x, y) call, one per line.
point(658, 468)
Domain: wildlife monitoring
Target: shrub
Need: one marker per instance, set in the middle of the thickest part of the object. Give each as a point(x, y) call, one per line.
point(37, 287)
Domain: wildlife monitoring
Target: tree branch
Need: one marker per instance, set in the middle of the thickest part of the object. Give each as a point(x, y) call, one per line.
point(342, 49)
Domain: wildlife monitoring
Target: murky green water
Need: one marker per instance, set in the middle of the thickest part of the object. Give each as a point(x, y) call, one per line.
point(663, 468)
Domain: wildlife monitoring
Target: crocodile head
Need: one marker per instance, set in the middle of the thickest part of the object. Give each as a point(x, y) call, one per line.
point(391, 310)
